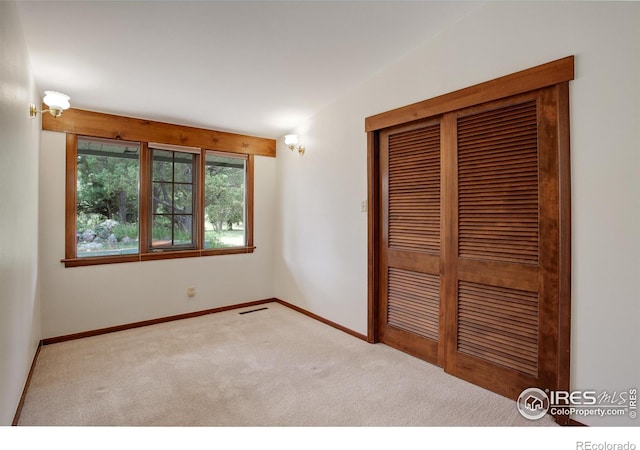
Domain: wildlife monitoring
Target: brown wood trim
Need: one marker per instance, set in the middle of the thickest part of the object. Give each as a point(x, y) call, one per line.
point(89, 123)
point(408, 261)
point(448, 243)
point(199, 200)
point(563, 381)
point(323, 320)
point(144, 192)
point(98, 260)
point(549, 244)
point(564, 309)
point(71, 174)
point(16, 417)
point(227, 251)
point(249, 201)
point(373, 230)
point(537, 77)
point(515, 276)
point(144, 323)
point(170, 254)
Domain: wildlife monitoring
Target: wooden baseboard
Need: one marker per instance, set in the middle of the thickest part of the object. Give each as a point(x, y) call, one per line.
point(144, 323)
point(323, 320)
point(16, 417)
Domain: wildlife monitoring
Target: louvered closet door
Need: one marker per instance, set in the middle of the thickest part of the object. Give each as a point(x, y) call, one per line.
point(410, 248)
point(502, 248)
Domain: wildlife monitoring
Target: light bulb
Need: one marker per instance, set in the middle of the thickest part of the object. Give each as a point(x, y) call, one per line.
point(56, 100)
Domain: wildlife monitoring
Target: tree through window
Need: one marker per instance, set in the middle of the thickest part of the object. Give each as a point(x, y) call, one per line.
point(225, 200)
point(107, 197)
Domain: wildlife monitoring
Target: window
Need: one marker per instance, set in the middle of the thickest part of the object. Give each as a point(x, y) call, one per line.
point(173, 185)
point(133, 201)
point(224, 201)
point(107, 197)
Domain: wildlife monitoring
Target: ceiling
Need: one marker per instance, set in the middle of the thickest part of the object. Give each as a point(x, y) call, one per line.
point(257, 68)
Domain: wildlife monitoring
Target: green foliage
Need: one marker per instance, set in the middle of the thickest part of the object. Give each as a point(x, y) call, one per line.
point(162, 232)
point(212, 239)
point(108, 187)
point(224, 196)
point(88, 221)
point(224, 239)
point(123, 230)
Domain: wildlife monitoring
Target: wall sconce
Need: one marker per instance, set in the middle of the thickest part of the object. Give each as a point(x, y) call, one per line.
point(291, 140)
point(56, 101)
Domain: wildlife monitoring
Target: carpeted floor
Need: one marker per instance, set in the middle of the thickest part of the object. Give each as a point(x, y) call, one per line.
point(274, 367)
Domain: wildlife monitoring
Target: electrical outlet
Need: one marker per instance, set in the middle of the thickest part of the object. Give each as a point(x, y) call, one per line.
point(191, 292)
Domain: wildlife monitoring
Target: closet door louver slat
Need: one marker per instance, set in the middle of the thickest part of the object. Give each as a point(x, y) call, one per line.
point(480, 205)
point(410, 310)
point(499, 325)
point(414, 302)
point(414, 190)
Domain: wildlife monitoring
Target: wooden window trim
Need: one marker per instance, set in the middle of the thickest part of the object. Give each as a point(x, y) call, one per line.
point(95, 124)
point(71, 260)
point(71, 177)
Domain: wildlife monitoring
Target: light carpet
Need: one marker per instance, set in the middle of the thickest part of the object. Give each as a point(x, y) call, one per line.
point(274, 367)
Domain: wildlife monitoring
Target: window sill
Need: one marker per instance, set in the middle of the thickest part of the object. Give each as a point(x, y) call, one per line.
point(97, 260)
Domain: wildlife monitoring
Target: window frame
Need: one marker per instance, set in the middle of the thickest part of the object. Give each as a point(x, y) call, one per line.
point(195, 210)
point(145, 252)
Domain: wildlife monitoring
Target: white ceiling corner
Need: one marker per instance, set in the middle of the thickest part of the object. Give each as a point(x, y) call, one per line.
point(255, 67)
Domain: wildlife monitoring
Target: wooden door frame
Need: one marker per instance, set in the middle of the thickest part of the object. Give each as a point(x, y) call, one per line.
point(556, 73)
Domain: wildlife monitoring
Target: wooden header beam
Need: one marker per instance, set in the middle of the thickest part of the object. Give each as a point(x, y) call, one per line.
point(518, 83)
point(89, 123)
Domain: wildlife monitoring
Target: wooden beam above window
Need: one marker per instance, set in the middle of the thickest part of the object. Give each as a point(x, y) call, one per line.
point(89, 123)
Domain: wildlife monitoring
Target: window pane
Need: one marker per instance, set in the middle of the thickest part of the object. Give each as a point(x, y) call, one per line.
point(173, 199)
point(161, 231)
point(182, 230)
point(182, 199)
point(224, 201)
point(184, 166)
point(107, 197)
point(162, 198)
point(162, 165)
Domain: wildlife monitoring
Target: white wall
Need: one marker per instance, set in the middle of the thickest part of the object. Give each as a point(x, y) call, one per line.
point(88, 298)
point(19, 303)
point(321, 262)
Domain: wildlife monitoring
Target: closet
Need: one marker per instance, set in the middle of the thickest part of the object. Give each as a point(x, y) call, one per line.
point(469, 230)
